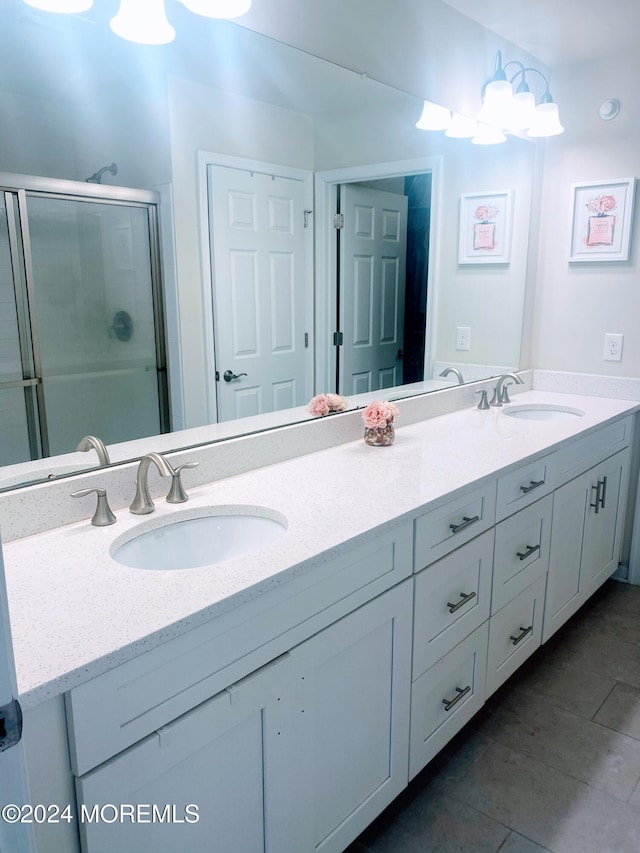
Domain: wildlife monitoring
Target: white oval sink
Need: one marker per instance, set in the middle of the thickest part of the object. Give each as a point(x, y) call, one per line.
point(189, 540)
point(543, 412)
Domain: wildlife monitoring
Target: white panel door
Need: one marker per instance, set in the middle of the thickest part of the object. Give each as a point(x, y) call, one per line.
point(14, 837)
point(373, 256)
point(258, 260)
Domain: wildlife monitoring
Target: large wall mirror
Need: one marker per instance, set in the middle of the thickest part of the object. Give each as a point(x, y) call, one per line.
point(76, 99)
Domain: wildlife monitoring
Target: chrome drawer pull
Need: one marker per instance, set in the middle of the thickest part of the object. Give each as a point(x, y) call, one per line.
point(600, 496)
point(533, 484)
point(465, 597)
point(520, 637)
point(450, 703)
point(466, 522)
point(531, 549)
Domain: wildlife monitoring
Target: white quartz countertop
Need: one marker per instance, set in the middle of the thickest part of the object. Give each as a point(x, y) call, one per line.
point(76, 613)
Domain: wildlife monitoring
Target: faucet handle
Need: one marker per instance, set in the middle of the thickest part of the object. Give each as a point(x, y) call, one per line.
point(484, 402)
point(177, 494)
point(103, 516)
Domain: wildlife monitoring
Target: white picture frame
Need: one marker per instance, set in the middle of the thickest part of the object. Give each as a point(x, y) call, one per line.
point(601, 219)
point(485, 227)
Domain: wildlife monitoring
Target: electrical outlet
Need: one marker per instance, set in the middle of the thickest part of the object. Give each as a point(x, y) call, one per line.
point(463, 338)
point(613, 347)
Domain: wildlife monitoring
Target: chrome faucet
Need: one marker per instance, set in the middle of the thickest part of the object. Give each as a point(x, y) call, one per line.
point(455, 370)
point(501, 392)
point(91, 442)
point(142, 503)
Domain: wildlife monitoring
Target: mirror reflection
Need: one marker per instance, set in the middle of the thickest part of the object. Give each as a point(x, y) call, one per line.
point(80, 101)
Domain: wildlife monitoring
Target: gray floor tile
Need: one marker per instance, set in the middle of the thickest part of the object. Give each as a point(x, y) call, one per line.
point(569, 687)
point(608, 655)
point(547, 806)
point(519, 844)
point(621, 711)
point(438, 825)
point(530, 724)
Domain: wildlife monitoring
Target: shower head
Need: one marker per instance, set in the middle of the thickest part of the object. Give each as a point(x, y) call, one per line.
point(96, 178)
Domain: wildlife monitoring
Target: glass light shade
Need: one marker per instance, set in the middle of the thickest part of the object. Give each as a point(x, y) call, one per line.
point(218, 8)
point(144, 23)
point(67, 7)
point(523, 111)
point(461, 127)
point(497, 102)
point(434, 117)
point(547, 121)
point(488, 135)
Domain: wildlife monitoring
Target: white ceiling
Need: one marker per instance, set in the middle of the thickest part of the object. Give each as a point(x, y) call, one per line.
point(560, 32)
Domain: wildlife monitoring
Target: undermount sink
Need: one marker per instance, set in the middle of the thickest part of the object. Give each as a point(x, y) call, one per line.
point(188, 540)
point(543, 412)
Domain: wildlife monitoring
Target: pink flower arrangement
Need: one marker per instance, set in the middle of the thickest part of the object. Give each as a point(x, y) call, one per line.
point(602, 204)
point(325, 404)
point(485, 213)
point(377, 414)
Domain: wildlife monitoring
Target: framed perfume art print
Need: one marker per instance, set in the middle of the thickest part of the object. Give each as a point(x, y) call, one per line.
point(485, 227)
point(601, 216)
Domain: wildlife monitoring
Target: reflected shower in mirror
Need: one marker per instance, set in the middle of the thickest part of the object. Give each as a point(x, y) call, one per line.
point(232, 93)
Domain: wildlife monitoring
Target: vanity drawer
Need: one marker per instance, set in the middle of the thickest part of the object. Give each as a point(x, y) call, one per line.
point(526, 484)
point(449, 526)
point(515, 632)
point(120, 707)
point(452, 599)
point(522, 551)
point(583, 453)
point(446, 697)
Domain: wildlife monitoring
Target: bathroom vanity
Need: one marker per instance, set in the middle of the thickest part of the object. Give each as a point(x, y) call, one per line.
point(286, 696)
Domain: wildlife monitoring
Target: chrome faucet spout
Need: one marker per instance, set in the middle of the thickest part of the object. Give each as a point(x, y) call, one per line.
point(455, 371)
point(501, 393)
point(142, 503)
point(90, 442)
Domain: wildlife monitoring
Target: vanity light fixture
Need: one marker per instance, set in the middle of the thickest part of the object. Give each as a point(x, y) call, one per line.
point(503, 109)
point(513, 111)
point(145, 21)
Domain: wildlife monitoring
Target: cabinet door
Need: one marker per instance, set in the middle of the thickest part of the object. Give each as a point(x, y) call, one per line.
point(220, 778)
point(585, 538)
point(354, 709)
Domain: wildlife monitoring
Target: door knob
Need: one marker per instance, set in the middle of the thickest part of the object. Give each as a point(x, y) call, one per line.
point(400, 353)
point(229, 375)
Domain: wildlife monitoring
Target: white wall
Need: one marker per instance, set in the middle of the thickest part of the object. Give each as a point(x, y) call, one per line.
point(575, 304)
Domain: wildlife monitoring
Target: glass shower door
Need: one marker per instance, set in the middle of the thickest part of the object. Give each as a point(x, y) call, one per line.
point(95, 320)
point(18, 440)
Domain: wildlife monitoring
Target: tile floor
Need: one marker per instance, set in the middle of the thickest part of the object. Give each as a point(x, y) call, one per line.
point(551, 763)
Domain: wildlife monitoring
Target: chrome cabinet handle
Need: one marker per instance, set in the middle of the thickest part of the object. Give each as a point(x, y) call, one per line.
point(531, 549)
point(521, 636)
point(601, 494)
point(533, 484)
point(229, 375)
point(466, 522)
point(451, 703)
point(465, 597)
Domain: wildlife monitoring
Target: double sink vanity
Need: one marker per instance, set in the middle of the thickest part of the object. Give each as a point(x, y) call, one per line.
point(286, 691)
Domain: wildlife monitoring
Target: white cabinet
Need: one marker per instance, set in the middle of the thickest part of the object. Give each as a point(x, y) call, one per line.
point(353, 711)
point(298, 756)
point(585, 541)
point(220, 777)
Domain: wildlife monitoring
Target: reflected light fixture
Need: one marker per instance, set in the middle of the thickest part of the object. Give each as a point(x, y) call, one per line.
point(434, 117)
point(461, 127)
point(218, 8)
point(487, 134)
point(145, 21)
point(66, 7)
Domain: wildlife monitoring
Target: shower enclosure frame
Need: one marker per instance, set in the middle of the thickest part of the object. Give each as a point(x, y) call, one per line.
point(15, 188)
